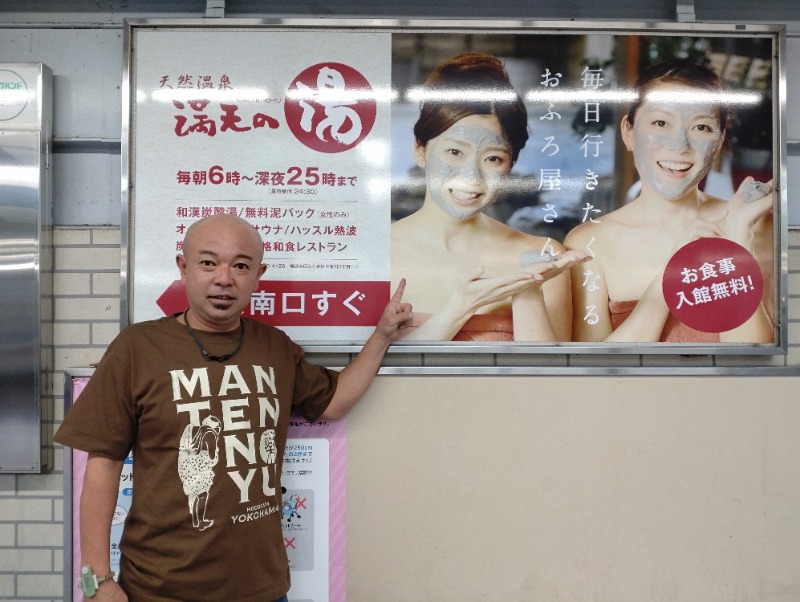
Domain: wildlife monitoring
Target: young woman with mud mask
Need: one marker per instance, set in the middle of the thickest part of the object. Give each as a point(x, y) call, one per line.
point(675, 135)
point(470, 277)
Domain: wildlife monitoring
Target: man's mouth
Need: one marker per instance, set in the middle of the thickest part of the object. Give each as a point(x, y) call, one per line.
point(221, 299)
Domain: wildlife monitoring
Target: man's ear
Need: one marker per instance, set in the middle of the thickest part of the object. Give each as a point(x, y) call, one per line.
point(180, 261)
point(259, 273)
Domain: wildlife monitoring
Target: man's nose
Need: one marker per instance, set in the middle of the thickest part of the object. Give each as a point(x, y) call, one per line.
point(223, 275)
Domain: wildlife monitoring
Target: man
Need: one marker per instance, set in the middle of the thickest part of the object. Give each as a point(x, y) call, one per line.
point(202, 398)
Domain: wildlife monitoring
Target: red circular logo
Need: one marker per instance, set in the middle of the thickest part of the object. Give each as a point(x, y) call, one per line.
point(713, 285)
point(330, 107)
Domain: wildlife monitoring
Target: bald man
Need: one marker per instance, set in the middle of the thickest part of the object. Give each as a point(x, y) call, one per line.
point(203, 399)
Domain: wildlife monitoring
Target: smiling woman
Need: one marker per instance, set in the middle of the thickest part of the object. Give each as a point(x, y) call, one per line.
point(470, 277)
point(674, 144)
point(467, 165)
point(675, 130)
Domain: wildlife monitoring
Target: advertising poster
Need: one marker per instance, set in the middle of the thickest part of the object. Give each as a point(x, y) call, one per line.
point(285, 130)
point(313, 508)
point(537, 189)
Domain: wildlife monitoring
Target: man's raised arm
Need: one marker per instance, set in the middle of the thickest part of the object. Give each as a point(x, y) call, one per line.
point(356, 378)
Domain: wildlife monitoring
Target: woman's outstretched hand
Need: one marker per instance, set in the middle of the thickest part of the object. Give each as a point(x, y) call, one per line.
point(545, 271)
point(477, 290)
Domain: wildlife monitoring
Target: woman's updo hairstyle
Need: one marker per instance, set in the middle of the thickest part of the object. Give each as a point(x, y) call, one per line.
point(482, 74)
point(682, 72)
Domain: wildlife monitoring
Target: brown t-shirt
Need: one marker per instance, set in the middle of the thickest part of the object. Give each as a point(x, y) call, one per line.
point(207, 440)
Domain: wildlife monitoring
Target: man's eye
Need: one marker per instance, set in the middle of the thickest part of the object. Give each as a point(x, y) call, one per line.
point(242, 266)
point(454, 151)
point(660, 123)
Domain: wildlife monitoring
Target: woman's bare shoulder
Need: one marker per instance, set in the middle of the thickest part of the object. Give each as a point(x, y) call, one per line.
point(412, 244)
point(404, 224)
point(407, 231)
point(580, 235)
point(712, 205)
point(612, 225)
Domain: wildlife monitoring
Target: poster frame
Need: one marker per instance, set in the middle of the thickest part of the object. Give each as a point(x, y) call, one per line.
point(344, 26)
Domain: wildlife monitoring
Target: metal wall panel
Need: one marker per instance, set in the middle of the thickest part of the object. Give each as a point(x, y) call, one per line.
point(25, 261)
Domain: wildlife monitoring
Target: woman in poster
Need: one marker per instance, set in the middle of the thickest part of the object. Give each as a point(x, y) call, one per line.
point(470, 277)
point(675, 135)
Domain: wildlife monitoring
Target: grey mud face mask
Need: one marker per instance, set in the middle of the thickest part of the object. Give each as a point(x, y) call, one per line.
point(464, 190)
point(656, 153)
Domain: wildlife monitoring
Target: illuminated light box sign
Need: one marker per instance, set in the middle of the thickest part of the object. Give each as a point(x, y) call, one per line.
point(557, 188)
